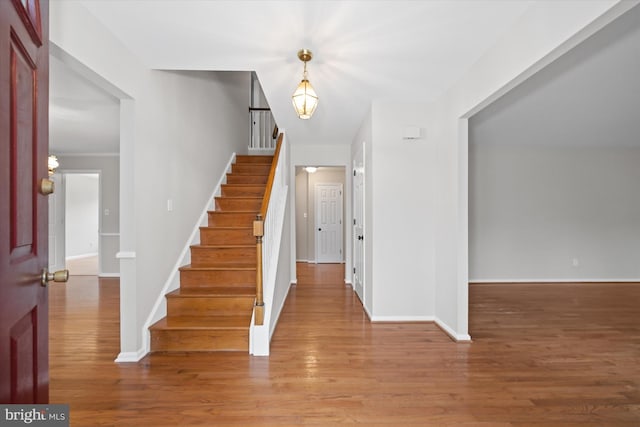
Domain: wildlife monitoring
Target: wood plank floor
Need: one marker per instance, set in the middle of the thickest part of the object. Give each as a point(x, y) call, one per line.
point(543, 355)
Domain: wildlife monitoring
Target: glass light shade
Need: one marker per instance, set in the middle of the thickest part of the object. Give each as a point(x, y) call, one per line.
point(52, 164)
point(304, 100)
point(311, 169)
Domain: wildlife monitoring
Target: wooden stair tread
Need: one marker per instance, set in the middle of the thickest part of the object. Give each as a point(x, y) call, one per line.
point(222, 292)
point(202, 323)
point(231, 213)
point(223, 246)
point(226, 227)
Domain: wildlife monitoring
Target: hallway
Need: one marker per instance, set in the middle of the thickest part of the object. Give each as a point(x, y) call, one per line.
point(330, 366)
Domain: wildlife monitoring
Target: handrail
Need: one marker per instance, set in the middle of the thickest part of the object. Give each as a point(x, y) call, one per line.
point(272, 173)
point(258, 232)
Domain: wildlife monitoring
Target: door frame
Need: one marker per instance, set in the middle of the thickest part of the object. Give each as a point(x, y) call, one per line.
point(359, 277)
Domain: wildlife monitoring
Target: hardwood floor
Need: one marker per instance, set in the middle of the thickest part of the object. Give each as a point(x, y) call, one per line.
point(543, 355)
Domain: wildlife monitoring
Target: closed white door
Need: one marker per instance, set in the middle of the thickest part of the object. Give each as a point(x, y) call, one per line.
point(358, 225)
point(328, 223)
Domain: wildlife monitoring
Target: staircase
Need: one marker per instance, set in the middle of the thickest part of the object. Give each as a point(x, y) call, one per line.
point(211, 311)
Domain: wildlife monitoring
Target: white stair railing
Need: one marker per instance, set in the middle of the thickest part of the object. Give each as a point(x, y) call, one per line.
point(268, 231)
point(263, 130)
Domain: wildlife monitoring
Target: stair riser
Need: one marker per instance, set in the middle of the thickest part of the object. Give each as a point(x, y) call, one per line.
point(204, 257)
point(246, 179)
point(252, 191)
point(218, 219)
point(217, 236)
point(205, 279)
point(231, 204)
point(251, 168)
point(208, 306)
point(200, 340)
point(241, 158)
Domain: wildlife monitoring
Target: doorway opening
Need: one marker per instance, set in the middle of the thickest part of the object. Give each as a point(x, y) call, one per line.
point(320, 222)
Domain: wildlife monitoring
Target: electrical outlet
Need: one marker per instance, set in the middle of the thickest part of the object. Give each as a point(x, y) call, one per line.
point(575, 262)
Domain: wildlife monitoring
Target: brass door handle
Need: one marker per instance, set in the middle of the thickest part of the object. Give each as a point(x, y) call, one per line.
point(58, 276)
point(47, 186)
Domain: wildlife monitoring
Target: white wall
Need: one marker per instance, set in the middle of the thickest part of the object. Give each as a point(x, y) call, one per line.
point(178, 131)
point(553, 168)
point(109, 224)
point(534, 210)
point(81, 214)
point(402, 214)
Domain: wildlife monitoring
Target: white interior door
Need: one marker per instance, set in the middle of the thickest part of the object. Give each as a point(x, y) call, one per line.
point(328, 223)
point(358, 225)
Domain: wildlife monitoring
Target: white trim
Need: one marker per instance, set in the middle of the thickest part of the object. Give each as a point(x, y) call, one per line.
point(348, 283)
point(451, 333)
point(110, 234)
point(303, 260)
point(109, 275)
point(125, 255)
point(58, 153)
point(548, 281)
point(366, 310)
point(159, 309)
point(402, 318)
point(278, 312)
point(87, 255)
point(130, 356)
point(293, 282)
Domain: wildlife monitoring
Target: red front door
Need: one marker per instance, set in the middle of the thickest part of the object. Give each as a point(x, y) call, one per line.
point(24, 144)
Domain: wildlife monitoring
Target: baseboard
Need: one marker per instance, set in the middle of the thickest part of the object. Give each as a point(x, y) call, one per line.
point(401, 319)
point(87, 255)
point(109, 275)
point(459, 338)
point(348, 283)
point(367, 312)
point(277, 317)
point(574, 280)
point(130, 356)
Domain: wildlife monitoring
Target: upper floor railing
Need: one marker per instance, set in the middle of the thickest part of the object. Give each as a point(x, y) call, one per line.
point(264, 130)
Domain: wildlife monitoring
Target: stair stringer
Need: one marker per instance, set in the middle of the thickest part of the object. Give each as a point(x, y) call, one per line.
point(159, 309)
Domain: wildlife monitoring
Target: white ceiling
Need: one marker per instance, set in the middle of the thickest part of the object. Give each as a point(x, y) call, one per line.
point(82, 117)
point(363, 50)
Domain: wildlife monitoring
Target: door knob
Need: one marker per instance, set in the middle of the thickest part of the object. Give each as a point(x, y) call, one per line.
point(46, 186)
point(58, 276)
point(360, 237)
point(319, 229)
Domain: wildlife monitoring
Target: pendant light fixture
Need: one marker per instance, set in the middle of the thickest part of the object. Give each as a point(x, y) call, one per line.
point(304, 99)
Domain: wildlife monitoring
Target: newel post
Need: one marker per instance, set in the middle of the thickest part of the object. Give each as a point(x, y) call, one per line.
point(258, 232)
